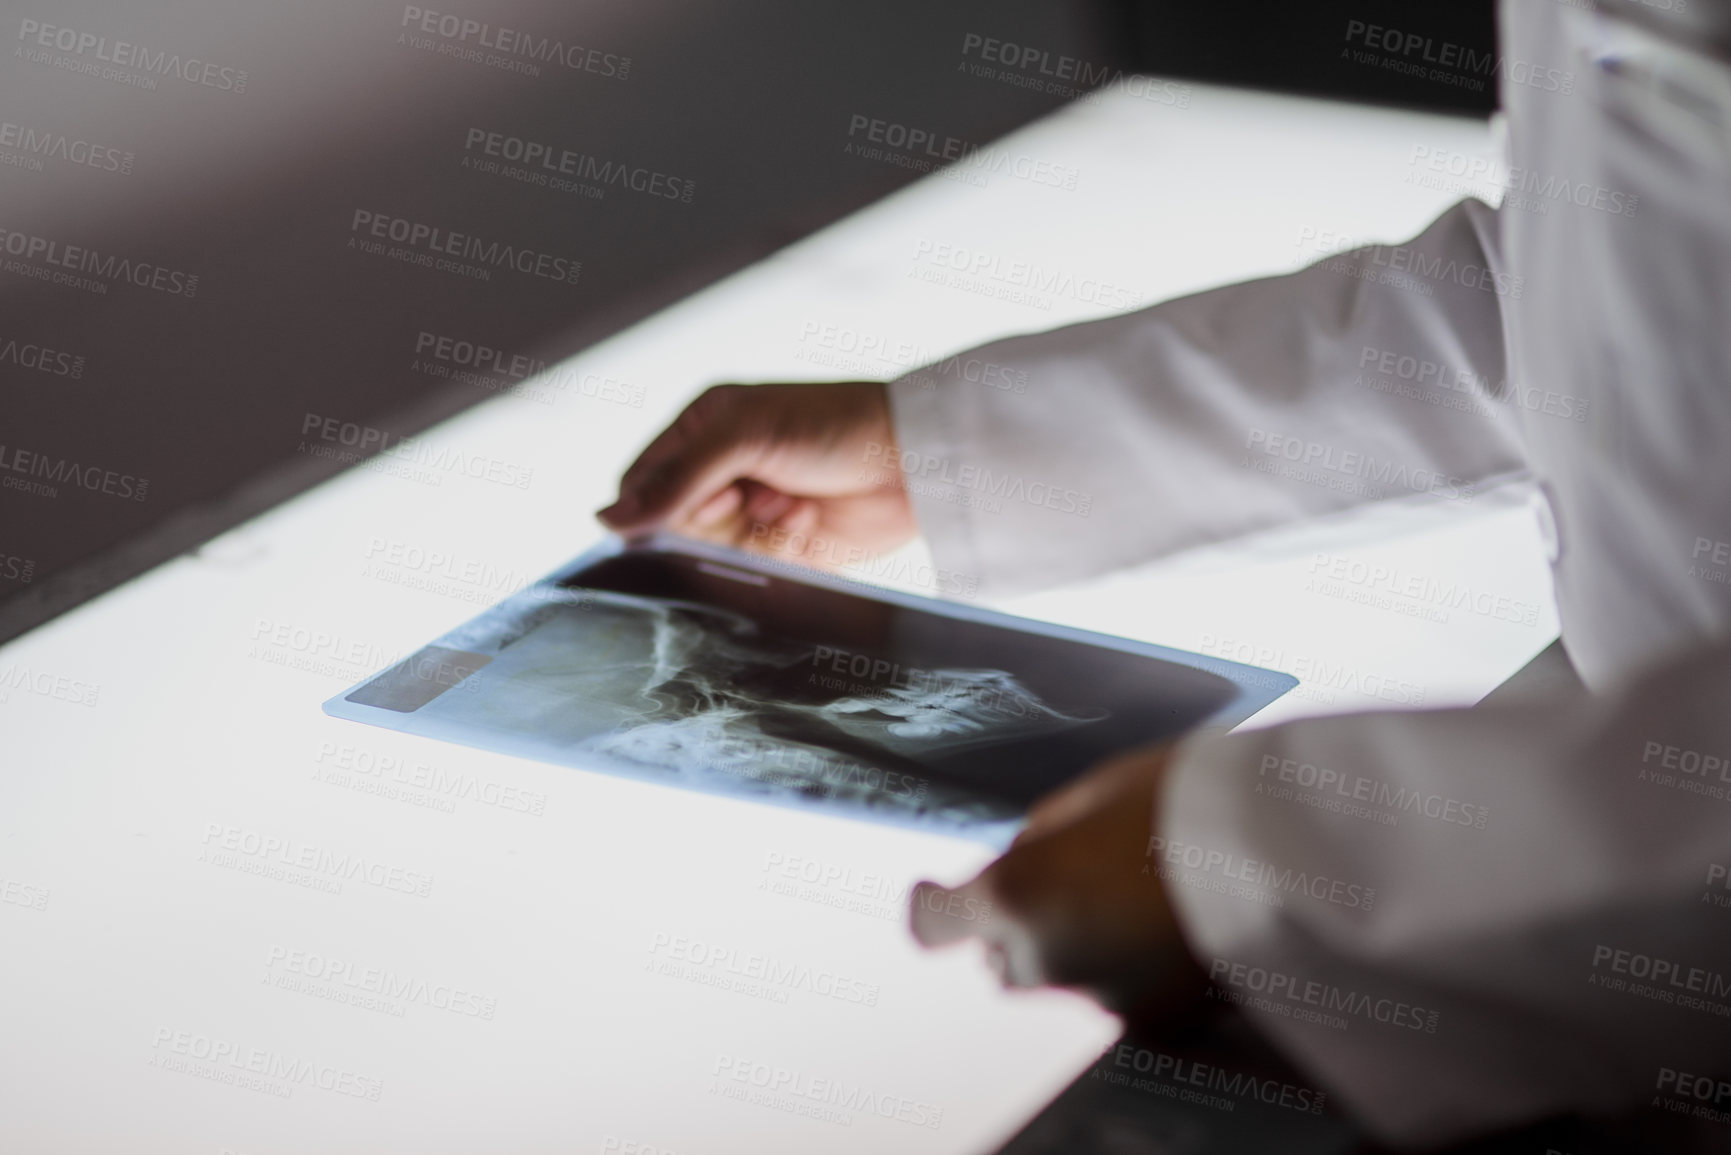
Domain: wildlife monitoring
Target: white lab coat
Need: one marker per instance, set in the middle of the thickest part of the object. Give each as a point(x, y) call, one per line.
point(1542, 852)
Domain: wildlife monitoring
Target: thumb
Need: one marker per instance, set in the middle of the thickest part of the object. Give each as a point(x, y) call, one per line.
point(939, 916)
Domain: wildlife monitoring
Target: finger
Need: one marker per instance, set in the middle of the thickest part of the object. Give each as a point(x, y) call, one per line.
point(722, 520)
point(730, 531)
point(671, 492)
point(1024, 965)
point(627, 509)
point(717, 508)
point(765, 505)
point(719, 404)
point(787, 536)
point(934, 915)
point(713, 412)
point(941, 917)
point(797, 525)
point(668, 445)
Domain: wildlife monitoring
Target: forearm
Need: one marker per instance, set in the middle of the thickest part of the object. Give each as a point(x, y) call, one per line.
point(1045, 458)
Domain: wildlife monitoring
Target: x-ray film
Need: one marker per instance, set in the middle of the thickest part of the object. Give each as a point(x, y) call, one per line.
point(709, 669)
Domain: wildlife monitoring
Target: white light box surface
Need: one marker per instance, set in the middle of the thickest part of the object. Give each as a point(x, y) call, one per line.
point(538, 999)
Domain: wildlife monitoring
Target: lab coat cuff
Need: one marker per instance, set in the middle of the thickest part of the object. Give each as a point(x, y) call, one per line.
point(931, 426)
point(1204, 847)
point(1200, 822)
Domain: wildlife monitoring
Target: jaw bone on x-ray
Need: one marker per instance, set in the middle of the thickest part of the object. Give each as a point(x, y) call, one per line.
point(706, 669)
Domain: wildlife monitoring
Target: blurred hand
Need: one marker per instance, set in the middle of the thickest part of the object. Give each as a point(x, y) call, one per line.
point(1075, 902)
point(802, 471)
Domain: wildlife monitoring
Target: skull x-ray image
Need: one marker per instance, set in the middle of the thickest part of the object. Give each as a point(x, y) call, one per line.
point(701, 668)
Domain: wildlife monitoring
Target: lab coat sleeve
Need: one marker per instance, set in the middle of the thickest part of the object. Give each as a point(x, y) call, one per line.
point(1045, 458)
point(1460, 919)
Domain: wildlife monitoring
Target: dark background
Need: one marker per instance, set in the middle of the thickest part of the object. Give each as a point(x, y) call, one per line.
point(254, 192)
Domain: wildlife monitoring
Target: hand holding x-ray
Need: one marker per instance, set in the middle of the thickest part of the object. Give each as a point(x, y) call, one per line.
point(1075, 901)
point(788, 470)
